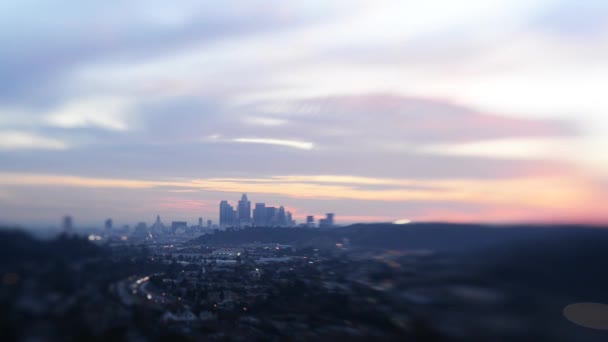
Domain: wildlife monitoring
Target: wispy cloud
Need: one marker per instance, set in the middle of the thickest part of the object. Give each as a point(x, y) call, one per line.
point(265, 121)
point(510, 149)
point(105, 112)
point(302, 145)
point(555, 192)
point(19, 140)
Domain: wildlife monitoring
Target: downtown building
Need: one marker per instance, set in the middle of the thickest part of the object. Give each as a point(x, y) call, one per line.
point(263, 216)
point(244, 211)
point(227, 215)
point(327, 222)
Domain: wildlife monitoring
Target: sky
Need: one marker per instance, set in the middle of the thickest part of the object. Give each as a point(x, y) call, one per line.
point(376, 110)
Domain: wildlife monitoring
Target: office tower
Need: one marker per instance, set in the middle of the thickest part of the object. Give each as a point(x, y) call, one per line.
point(289, 219)
point(281, 217)
point(327, 222)
point(209, 223)
point(108, 224)
point(68, 224)
point(179, 227)
point(200, 222)
point(141, 231)
point(259, 214)
point(223, 213)
point(310, 221)
point(330, 219)
point(244, 210)
point(271, 216)
point(227, 214)
point(158, 227)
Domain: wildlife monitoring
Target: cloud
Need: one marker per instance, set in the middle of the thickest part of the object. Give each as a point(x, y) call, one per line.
point(393, 120)
point(41, 48)
point(150, 154)
point(183, 205)
point(18, 140)
point(265, 121)
point(104, 112)
point(397, 100)
point(558, 199)
point(510, 149)
point(555, 192)
point(302, 145)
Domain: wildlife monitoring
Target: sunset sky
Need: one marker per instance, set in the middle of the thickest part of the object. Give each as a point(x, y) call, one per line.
point(377, 110)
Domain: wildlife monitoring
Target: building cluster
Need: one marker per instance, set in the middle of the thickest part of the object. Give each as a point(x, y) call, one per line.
point(230, 217)
point(241, 216)
point(326, 222)
point(263, 216)
point(176, 229)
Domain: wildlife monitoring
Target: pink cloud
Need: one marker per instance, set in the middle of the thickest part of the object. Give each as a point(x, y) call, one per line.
point(428, 119)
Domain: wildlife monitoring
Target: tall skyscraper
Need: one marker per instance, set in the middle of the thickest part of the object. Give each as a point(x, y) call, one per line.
point(271, 216)
point(227, 214)
point(108, 224)
point(200, 222)
point(330, 219)
point(223, 209)
point(158, 227)
point(281, 217)
point(244, 210)
point(289, 219)
point(259, 214)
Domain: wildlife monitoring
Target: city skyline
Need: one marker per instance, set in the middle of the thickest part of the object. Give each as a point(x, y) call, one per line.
point(261, 215)
point(280, 216)
point(381, 110)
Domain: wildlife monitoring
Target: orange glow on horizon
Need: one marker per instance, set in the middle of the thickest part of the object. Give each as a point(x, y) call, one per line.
point(528, 199)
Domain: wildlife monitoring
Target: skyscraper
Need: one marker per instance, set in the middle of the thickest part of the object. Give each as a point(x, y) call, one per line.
point(244, 210)
point(330, 219)
point(223, 213)
point(271, 216)
point(327, 222)
point(227, 214)
point(259, 214)
point(281, 217)
point(158, 227)
point(289, 219)
point(200, 222)
point(108, 224)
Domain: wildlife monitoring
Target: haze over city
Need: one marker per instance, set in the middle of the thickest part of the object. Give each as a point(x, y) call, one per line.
point(379, 110)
